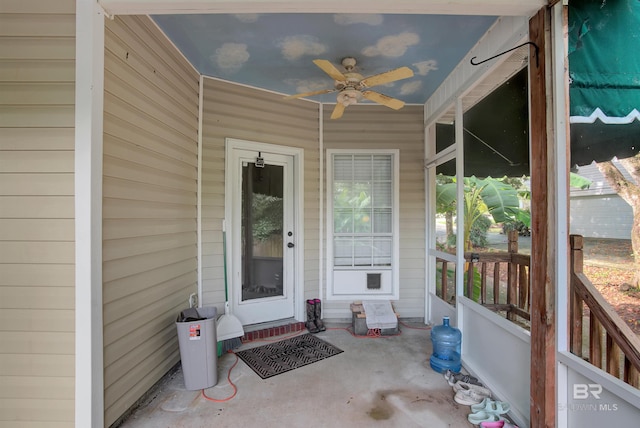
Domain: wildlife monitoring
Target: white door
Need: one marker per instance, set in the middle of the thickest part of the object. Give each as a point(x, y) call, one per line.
point(262, 236)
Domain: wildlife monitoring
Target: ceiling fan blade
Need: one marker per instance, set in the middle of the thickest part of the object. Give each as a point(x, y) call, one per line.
point(337, 111)
point(330, 69)
point(308, 94)
point(389, 76)
point(383, 99)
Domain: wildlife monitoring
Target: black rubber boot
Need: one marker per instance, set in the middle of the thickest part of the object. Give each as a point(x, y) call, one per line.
point(318, 309)
point(311, 317)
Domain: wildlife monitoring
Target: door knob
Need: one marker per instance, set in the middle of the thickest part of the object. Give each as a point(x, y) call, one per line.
point(290, 245)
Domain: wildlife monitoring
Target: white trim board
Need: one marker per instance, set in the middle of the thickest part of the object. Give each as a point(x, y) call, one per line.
point(89, 349)
point(460, 7)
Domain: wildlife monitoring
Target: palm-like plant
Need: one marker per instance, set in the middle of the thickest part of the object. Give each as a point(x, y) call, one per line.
point(482, 196)
point(490, 195)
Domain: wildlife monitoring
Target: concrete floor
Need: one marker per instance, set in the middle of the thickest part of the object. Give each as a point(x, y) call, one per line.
point(383, 382)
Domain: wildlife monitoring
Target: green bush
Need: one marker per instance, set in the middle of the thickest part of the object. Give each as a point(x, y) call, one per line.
point(479, 230)
point(522, 228)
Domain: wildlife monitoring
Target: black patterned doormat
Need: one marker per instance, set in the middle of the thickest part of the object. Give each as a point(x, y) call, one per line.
point(280, 357)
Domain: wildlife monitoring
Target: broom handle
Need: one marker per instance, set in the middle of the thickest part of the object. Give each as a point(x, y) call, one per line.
point(224, 262)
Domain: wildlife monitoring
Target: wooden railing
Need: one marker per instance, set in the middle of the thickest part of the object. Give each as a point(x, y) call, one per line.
point(597, 329)
point(496, 280)
point(598, 334)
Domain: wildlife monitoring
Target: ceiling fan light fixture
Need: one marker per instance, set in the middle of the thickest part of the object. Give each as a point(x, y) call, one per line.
point(348, 63)
point(349, 97)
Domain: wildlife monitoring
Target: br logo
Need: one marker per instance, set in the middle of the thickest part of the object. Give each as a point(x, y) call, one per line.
point(582, 391)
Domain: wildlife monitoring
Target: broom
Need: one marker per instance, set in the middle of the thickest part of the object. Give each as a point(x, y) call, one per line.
point(229, 330)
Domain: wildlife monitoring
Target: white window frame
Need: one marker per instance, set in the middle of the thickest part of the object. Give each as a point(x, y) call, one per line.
point(392, 292)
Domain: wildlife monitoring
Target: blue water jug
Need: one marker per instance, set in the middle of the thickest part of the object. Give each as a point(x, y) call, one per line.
point(446, 341)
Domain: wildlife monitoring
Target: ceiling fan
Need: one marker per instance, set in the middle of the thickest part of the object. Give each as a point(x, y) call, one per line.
point(352, 87)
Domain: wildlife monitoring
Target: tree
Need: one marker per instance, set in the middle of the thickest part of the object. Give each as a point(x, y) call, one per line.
point(266, 215)
point(447, 207)
point(629, 191)
point(482, 196)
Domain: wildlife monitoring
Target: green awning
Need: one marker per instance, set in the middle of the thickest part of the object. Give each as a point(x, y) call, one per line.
point(604, 72)
point(604, 79)
point(604, 61)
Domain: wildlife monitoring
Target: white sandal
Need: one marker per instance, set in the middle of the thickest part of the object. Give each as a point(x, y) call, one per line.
point(464, 386)
point(469, 395)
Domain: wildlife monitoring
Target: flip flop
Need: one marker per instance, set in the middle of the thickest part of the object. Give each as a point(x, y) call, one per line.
point(481, 416)
point(497, 424)
point(493, 424)
point(490, 406)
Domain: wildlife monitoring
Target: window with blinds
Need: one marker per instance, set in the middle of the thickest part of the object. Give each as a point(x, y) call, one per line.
point(362, 210)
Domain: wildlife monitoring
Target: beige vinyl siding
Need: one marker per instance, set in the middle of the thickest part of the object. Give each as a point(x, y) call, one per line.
point(376, 127)
point(149, 206)
point(235, 111)
point(37, 256)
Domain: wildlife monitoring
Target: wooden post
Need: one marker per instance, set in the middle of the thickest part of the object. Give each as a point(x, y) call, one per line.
point(595, 342)
point(496, 283)
point(470, 272)
point(575, 302)
point(512, 246)
point(523, 288)
point(543, 261)
point(613, 357)
point(512, 274)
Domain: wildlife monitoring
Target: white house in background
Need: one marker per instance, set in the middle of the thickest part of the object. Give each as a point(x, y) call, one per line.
point(598, 212)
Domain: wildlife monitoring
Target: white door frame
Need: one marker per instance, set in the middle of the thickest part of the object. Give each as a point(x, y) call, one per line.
point(298, 211)
point(268, 307)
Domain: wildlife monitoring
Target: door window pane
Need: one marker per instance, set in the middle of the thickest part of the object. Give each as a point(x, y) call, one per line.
point(262, 237)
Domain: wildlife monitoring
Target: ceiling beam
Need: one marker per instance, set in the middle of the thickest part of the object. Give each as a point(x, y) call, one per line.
point(450, 7)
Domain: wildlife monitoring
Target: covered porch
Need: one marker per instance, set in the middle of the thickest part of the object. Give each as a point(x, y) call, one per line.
point(387, 380)
point(383, 382)
point(536, 373)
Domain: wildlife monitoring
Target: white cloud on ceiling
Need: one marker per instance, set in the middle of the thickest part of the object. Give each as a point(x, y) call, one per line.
point(424, 67)
point(392, 46)
point(230, 57)
point(357, 18)
point(247, 17)
point(295, 47)
point(309, 85)
point(410, 88)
